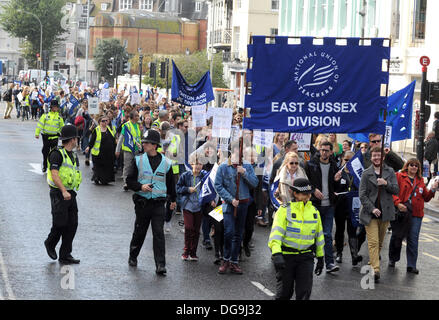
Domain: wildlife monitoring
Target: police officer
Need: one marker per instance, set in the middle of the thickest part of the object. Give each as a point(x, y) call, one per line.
point(152, 180)
point(64, 179)
point(49, 126)
point(297, 234)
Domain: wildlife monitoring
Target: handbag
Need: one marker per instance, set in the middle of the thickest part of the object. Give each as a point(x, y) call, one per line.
point(401, 215)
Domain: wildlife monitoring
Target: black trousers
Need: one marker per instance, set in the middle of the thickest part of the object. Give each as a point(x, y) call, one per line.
point(149, 212)
point(249, 224)
point(297, 275)
point(64, 222)
point(48, 144)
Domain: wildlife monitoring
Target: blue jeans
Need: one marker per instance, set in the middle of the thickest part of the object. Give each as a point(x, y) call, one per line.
point(233, 231)
point(327, 216)
point(413, 242)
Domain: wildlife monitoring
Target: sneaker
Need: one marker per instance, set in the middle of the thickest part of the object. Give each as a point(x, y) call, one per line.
point(125, 187)
point(332, 268)
point(261, 223)
point(193, 258)
point(377, 277)
point(185, 257)
point(207, 245)
point(178, 213)
point(234, 268)
point(224, 266)
point(161, 271)
point(339, 258)
point(168, 227)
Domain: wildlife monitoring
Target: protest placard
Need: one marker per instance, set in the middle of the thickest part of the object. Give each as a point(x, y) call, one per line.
point(93, 105)
point(105, 95)
point(303, 140)
point(199, 116)
point(222, 122)
point(264, 139)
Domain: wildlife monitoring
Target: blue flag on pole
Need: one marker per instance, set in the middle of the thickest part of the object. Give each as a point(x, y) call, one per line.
point(208, 192)
point(356, 168)
point(399, 115)
point(73, 104)
point(310, 88)
point(128, 140)
point(191, 95)
point(273, 189)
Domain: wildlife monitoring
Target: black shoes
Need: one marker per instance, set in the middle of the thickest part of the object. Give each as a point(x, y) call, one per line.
point(412, 270)
point(356, 260)
point(161, 271)
point(51, 252)
point(125, 187)
point(247, 251)
point(391, 264)
point(69, 260)
point(132, 262)
point(377, 277)
point(207, 245)
point(87, 162)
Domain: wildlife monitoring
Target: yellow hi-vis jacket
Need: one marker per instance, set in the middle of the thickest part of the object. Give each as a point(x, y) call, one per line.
point(173, 149)
point(51, 124)
point(297, 228)
point(69, 172)
point(97, 145)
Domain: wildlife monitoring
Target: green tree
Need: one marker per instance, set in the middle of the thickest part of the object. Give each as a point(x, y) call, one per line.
point(192, 67)
point(105, 50)
point(18, 19)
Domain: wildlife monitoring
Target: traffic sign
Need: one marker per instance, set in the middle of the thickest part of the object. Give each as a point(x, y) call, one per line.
point(425, 61)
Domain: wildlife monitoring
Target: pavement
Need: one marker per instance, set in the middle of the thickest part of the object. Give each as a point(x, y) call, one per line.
point(106, 220)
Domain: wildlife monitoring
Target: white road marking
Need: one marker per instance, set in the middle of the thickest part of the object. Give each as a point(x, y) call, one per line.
point(36, 168)
point(263, 289)
point(4, 273)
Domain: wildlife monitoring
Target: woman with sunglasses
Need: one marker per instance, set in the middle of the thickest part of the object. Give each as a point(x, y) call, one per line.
point(287, 173)
point(410, 204)
point(102, 145)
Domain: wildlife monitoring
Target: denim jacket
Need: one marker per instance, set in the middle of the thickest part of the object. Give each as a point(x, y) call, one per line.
point(190, 201)
point(225, 183)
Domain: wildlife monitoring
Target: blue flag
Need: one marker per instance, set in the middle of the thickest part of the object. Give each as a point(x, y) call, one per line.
point(309, 88)
point(50, 98)
point(190, 95)
point(399, 115)
point(354, 205)
point(356, 168)
point(208, 192)
point(73, 104)
point(128, 140)
point(273, 189)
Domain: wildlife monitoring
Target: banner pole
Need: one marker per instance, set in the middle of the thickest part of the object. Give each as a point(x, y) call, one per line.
point(382, 143)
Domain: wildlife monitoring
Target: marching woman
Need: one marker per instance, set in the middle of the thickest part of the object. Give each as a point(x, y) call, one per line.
point(410, 204)
point(102, 144)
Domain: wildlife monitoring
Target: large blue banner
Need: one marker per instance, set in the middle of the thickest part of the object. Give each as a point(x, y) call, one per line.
point(309, 88)
point(190, 95)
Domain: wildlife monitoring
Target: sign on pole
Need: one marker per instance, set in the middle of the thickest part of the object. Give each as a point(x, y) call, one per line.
point(93, 105)
point(222, 122)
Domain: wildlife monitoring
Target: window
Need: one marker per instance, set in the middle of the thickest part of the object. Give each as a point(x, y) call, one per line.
point(198, 6)
point(343, 14)
point(146, 5)
point(273, 32)
point(84, 10)
point(312, 15)
point(321, 15)
point(396, 18)
point(275, 5)
point(125, 43)
point(125, 4)
point(420, 19)
point(104, 6)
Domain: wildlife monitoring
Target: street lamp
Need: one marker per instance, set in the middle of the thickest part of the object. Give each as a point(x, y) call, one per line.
point(140, 68)
point(41, 37)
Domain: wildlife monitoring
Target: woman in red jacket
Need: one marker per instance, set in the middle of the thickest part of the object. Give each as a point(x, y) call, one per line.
point(411, 185)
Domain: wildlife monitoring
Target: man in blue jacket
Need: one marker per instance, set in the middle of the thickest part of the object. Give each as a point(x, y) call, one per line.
point(225, 185)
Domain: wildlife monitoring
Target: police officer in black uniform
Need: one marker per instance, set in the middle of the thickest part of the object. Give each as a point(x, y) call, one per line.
point(64, 179)
point(152, 179)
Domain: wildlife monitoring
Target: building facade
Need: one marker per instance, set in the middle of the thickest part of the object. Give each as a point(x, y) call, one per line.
point(10, 51)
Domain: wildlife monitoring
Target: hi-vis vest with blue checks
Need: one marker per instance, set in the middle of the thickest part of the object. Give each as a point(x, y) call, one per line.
point(157, 178)
point(297, 228)
point(97, 146)
point(69, 172)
